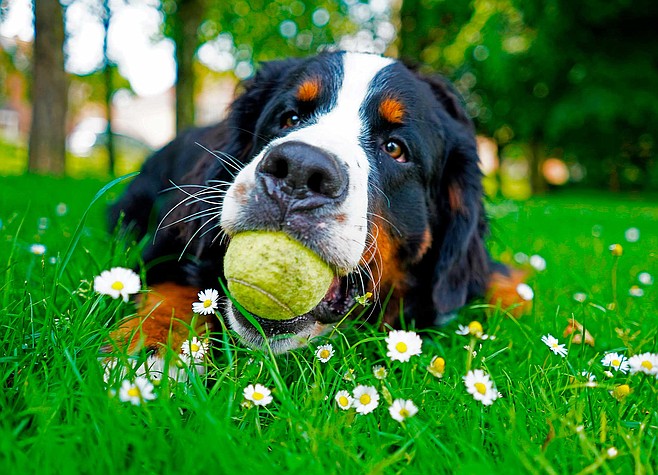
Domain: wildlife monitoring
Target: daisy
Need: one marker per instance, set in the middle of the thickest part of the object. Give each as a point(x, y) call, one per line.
point(379, 372)
point(437, 366)
point(635, 291)
point(552, 343)
point(194, 349)
point(525, 292)
point(645, 278)
point(117, 282)
point(620, 392)
point(137, 392)
point(349, 375)
point(479, 384)
point(402, 409)
point(207, 303)
point(632, 235)
point(591, 379)
point(616, 361)
point(616, 250)
point(38, 249)
point(402, 345)
point(644, 363)
point(257, 394)
point(580, 296)
point(344, 400)
point(324, 352)
point(366, 399)
point(538, 262)
point(474, 328)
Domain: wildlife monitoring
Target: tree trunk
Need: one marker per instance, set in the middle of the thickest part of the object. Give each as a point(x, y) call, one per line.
point(536, 163)
point(47, 144)
point(188, 16)
point(109, 91)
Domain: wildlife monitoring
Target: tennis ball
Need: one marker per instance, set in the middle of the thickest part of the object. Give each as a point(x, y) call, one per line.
point(274, 276)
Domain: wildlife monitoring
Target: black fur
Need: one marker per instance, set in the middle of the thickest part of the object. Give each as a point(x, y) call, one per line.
point(413, 198)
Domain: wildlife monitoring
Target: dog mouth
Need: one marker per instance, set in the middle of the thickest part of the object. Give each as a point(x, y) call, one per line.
point(285, 335)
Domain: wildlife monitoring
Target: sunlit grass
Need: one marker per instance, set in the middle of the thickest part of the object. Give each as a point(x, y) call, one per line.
point(60, 416)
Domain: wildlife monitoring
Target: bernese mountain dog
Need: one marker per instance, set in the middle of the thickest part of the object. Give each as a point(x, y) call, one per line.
point(367, 162)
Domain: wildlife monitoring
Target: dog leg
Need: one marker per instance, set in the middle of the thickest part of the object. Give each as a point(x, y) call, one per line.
point(164, 320)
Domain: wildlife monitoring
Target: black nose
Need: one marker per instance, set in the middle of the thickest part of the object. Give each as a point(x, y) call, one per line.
point(306, 174)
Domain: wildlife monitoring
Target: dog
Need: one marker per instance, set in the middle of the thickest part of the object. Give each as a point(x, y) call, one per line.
point(364, 160)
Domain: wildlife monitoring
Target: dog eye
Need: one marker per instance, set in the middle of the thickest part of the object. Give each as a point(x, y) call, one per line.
point(395, 150)
point(290, 119)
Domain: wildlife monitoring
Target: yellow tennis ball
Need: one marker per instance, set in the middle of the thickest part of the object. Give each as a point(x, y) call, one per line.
point(274, 276)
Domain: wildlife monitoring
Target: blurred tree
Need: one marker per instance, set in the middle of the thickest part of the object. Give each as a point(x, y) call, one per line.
point(182, 21)
point(109, 88)
point(573, 78)
point(47, 144)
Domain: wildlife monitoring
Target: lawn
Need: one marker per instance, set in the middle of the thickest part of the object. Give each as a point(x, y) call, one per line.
point(60, 416)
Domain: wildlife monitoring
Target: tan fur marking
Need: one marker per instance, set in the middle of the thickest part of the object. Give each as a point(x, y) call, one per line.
point(309, 90)
point(382, 258)
point(163, 319)
point(502, 292)
point(392, 110)
point(455, 199)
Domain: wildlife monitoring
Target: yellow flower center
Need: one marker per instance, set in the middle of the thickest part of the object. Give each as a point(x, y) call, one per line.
point(647, 364)
point(343, 401)
point(404, 413)
point(439, 364)
point(134, 392)
point(616, 362)
point(118, 285)
point(365, 399)
point(194, 347)
point(475, 328)
point(401, 347)
point(622, 391)
point(207, 303)
point(257, 396)
point(555, 345)
point(324, 353)
point(481, 388)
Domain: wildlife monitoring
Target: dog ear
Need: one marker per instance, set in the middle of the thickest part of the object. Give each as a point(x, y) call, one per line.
point(462, 267)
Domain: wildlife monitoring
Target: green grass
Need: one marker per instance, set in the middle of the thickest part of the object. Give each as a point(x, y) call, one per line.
point(58, 415)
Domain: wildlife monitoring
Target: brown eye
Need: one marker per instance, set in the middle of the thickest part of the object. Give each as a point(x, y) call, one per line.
point(290, 119)
point(395, 150)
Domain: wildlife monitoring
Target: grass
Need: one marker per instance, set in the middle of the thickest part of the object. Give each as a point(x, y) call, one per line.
point(58, 414)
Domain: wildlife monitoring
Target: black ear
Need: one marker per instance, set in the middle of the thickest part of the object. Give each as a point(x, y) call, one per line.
point(462, 268)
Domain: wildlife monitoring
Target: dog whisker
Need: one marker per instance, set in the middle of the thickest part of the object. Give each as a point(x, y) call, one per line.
point(222, 161)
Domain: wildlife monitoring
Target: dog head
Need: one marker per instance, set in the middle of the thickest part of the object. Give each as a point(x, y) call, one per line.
point(372, 166)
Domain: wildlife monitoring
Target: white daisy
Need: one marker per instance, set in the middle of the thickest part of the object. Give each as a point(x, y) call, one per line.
point(257, 394)
point(324, 352)
point(616, 361)
point(366, 399)
point(402, 409)
point(474, 328)
point(344, 400)
point(538, 262)
point(38, 249)
point(525, 291)
point(632, 235)
point(402, 345)
point(207, 303)
point(644, 363)
point(379, 372)
point(552, 343)
point(437, 367)
point(479, 385)
point(580, 296)
point(141, 390)
point(194, 349)
point(645, 278)
point(635, 291)
point(349, 375)
point(117, 282)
